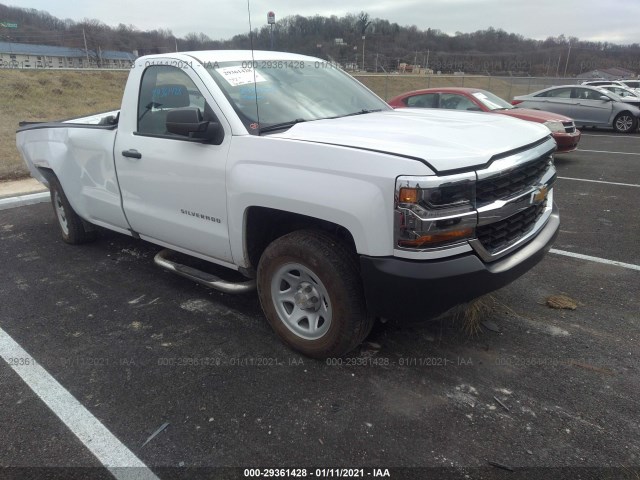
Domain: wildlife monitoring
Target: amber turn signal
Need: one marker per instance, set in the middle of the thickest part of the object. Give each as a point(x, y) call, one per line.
point(408, 195)
point(429, 240)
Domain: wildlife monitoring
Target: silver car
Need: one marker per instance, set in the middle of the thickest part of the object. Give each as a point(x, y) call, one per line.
point(588, 106)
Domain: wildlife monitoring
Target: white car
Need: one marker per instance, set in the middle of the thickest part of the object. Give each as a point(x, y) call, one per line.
point(632, 84)
point(627, 95)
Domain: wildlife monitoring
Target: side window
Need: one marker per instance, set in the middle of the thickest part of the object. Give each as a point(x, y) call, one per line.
point(587, 94)
point(428, 100)
point(557, 93)
point(453, 101)
point(162, 89)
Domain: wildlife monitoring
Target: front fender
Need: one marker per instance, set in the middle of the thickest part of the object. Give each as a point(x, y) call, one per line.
point(348, 187)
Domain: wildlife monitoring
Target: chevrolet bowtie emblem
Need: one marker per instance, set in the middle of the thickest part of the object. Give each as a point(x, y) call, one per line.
point(539, 195)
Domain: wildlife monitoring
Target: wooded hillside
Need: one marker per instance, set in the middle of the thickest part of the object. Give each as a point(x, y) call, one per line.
point(491, 51)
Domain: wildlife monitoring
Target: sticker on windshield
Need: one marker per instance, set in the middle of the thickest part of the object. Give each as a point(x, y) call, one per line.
point(237, 76)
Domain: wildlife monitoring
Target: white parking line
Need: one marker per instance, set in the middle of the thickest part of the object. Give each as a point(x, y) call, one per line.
point(599, 181)
point(595, 259)
point(607, 151)
point(613, 136)
point(116, 457)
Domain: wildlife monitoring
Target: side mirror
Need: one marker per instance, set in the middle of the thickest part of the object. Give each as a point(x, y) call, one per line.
point(188, 122)
point(604, 98)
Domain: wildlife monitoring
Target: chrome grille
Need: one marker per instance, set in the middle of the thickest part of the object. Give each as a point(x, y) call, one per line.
point(510, 182)
point(499, 235)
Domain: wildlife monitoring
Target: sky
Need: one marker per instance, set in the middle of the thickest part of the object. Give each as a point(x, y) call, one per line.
point(613, 21)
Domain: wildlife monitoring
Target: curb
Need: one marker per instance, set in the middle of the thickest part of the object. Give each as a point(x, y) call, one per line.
point(22, 200)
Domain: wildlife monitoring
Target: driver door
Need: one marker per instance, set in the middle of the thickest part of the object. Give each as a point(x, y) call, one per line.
point(590, 109)
point(173, 187)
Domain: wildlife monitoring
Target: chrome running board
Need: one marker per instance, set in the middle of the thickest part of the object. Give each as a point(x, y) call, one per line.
point(203, 278)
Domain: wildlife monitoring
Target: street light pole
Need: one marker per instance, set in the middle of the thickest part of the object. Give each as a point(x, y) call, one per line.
point(271, 20)
point(363, 37)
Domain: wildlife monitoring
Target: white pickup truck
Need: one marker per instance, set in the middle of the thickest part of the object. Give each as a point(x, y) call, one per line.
point(282, 167)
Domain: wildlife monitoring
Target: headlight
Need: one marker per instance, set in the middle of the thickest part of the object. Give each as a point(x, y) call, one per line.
point(555, 127)
point(433, 212)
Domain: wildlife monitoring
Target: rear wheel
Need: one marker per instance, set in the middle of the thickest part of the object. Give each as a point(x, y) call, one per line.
point(72, 227)
point(625, 122)
point(310, 290)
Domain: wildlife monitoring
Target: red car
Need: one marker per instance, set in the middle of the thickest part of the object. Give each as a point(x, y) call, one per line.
point(562, 128)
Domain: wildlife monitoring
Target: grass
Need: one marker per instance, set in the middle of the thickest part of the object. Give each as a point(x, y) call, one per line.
point(41, 95)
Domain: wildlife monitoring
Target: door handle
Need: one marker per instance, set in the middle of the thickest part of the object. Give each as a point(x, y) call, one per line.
point(131, 153)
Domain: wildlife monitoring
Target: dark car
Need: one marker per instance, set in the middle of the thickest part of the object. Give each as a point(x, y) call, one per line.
point(562, 128)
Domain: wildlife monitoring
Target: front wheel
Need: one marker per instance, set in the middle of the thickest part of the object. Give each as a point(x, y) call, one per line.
point(310, 291)
point(71, 225)
point(625, 122)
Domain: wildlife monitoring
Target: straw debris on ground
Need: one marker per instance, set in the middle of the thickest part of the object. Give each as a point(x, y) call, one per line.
point(472, 314)
point(561, 302)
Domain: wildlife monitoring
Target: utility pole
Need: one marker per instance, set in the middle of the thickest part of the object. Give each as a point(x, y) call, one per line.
point(176, 40)
point(86, 50)
point(567, 62)
point(377, 62)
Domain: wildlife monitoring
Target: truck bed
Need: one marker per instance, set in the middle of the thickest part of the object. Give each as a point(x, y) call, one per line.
point(103, 120)
point(80, 152)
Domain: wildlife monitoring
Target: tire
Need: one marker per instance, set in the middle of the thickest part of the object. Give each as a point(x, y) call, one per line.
point(72, 227)
point(311, 293)
point(625, 122)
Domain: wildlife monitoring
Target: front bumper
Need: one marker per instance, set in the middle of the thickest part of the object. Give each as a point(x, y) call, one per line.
point(567, 142)
point(413, 290)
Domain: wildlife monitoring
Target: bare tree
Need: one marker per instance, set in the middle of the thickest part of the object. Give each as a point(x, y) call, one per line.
point(363, 22)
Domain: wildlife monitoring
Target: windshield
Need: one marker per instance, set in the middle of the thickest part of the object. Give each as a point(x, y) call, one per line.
point(609, 94)
point(491, 101)
point(290, 91)
point(621, 91)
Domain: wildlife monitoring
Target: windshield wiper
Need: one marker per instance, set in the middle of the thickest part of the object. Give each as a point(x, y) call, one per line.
point(363, 111)
point(281, 126)
point(359, 112)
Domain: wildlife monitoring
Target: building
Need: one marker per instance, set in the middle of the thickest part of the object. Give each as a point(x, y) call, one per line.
point(24, 55)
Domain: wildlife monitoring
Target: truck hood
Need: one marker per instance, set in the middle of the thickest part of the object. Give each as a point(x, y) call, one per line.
point(445, 140)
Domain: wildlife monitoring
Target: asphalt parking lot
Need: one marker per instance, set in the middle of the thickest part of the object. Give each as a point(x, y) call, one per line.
point(538, 393)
